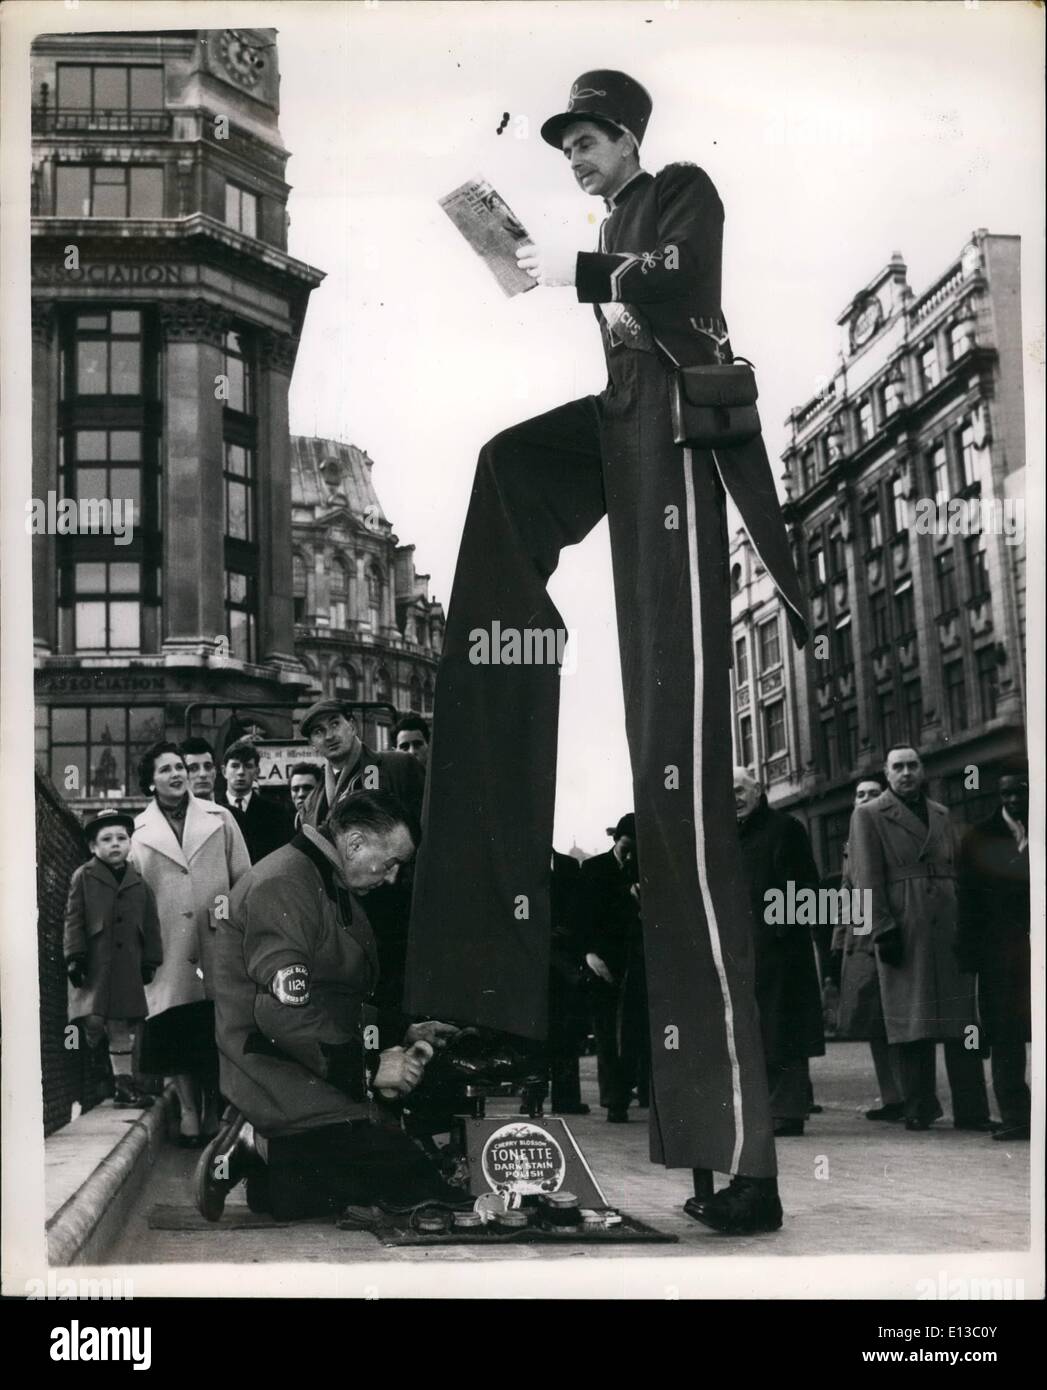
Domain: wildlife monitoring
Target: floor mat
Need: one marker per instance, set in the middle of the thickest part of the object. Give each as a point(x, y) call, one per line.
point(630, 1231)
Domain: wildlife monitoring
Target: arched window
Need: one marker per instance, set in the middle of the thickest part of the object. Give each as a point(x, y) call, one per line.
point(414, 691)
point(736, 579)
point(339, 609)
point(383, 686)
point(427, 696)
point(298, 586)
point(375, 585)
point(346, 683)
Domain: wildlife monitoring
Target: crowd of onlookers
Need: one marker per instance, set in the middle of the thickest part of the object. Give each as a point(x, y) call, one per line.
point(928, 944)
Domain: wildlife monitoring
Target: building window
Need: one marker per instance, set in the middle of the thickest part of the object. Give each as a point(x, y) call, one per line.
point(339, 596)
point(872, 523)
point(816, 563)
point(904, 610)
point(844, 647)
point(886, 719)
point(899, 505)
point(850, 739)
point(929, 366)
point(830, 752)
point(866, 425)
point(893, 396)
point(768, 644)
point(374, 596)
point(383, 686)
point(837, 555)
point(107, 354)
point(298, 585)
point(940, 474)
point(107, 92)
point(808, 469)
point(109, 190)
point(977, 567)
point(105, 465)
point(774, 729)
point(736, 579)
point(961, 338)
point(955, 694)
point(346, 683)
point(988, 681)
point(741, 662)
point(93, 752)
point(965, 451)
point(945, 575)
point(427, 696)
point(241, 210)
point(913, 695)
point(107, 607)
point(745, 741)
point(241, 614)
point(239, 479)
point(237, 369)
point(881, 620)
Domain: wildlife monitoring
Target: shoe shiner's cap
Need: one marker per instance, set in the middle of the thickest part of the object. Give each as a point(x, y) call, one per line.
point(604, 95)
point(94, 821)
point(320, 710)
point(625, 826)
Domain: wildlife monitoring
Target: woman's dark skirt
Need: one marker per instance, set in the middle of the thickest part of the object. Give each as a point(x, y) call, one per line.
point(181, 1040)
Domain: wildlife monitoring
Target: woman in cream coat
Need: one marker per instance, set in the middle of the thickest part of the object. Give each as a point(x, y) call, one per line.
point(191, 853)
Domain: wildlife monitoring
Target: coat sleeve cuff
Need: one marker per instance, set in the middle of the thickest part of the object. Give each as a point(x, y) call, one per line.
point(598, 276)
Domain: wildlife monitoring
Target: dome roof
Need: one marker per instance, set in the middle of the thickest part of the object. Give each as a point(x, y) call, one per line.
point(326, 474)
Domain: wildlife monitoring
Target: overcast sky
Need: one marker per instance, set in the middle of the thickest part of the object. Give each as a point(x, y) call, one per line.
point(836, 133)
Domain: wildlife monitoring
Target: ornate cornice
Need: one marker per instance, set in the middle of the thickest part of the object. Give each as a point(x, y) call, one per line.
point(193, 321)
point(277, 351)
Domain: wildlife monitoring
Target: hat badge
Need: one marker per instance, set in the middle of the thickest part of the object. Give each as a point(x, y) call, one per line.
point(582, 94)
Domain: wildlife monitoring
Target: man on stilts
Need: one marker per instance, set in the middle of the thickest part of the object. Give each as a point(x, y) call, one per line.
point(479, 944)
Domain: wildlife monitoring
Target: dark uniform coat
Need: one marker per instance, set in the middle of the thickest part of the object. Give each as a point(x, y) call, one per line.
point(396, 773)
point(114, 926)
point(265, 825)
point(542, 485)
point(775, 851)
point(993, 935)
point(910, 869)
point(294, 1061)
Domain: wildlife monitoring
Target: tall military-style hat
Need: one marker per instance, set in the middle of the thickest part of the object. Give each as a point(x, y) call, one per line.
point(603, 95)
point(95, 821)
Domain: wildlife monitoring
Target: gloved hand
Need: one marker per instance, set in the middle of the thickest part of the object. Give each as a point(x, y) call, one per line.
point(549, 266)
point(890, 947)
point(76, 969)
point(599, 967)
point(148, 972)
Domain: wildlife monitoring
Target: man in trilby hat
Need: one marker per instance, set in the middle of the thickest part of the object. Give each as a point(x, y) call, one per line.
point(479, 941)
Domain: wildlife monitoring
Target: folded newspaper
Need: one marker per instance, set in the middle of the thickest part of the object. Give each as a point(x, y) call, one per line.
point(488, 224)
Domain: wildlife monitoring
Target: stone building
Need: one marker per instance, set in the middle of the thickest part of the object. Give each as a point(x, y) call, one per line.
point(166, 318)
point(365, 627)
point(904, 481)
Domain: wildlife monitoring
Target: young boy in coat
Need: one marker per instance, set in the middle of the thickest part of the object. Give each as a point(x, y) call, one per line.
point(112, 947)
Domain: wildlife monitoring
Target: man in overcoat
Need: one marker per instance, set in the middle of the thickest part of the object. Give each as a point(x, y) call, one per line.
point(654, 284)
point(860, 1011)
point(776, 852)
point(993, 942)
point(903, 849)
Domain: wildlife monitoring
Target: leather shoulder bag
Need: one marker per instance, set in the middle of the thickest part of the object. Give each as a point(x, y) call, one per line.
point(714, 407)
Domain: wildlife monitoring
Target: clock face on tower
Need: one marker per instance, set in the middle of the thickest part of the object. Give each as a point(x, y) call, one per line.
point(243, 61)
point(866, 321)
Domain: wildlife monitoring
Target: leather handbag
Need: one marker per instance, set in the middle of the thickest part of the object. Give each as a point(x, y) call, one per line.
point(714, 407)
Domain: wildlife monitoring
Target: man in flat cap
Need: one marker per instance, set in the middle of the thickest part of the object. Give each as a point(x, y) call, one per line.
point(475, 953)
